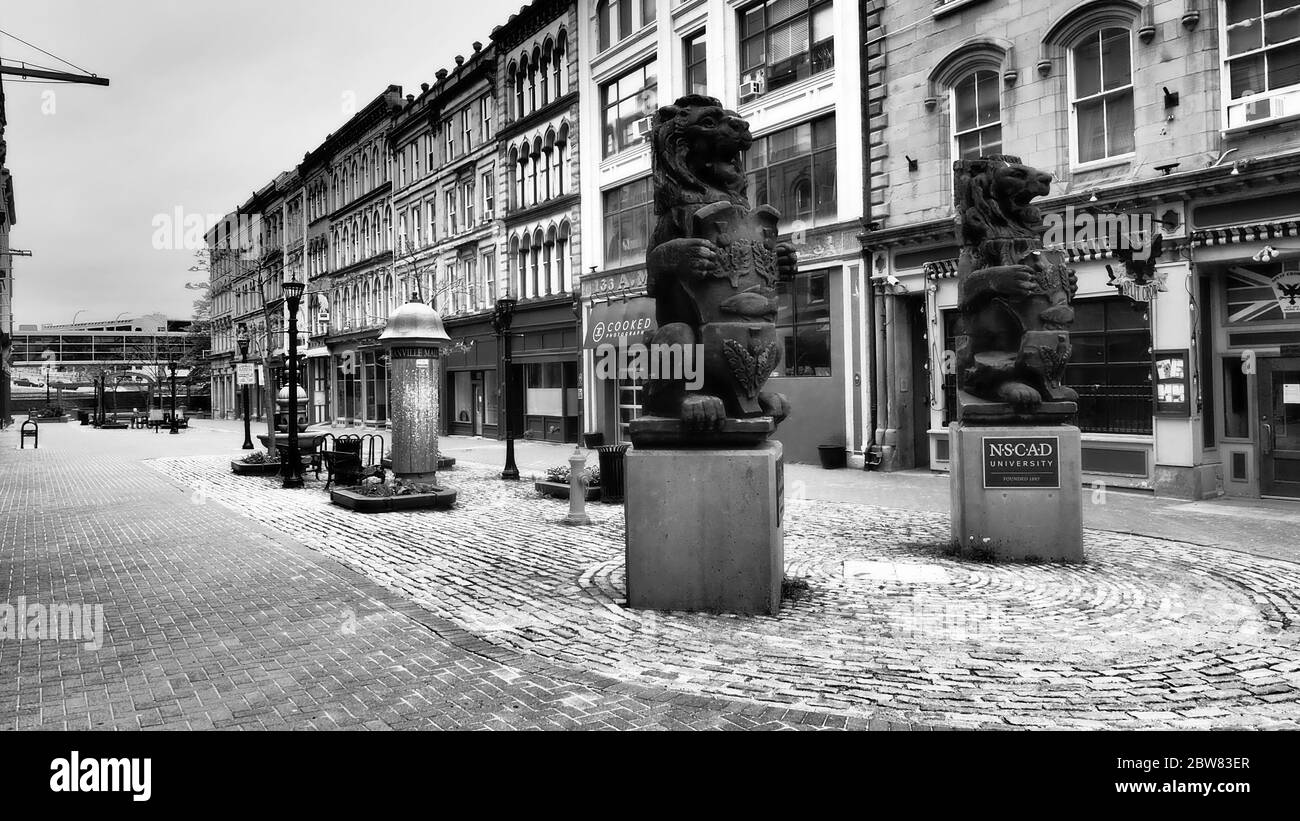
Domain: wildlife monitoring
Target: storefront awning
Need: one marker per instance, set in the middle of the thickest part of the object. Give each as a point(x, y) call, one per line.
point(312, 353)
point(619, 319)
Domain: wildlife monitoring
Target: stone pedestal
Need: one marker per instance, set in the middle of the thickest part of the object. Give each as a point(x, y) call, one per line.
point(704, 529)
point(1017, 491)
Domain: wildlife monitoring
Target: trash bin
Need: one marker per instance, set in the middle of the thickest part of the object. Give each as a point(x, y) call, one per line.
point(611, 460)
point(83, 417)
point(833, 457)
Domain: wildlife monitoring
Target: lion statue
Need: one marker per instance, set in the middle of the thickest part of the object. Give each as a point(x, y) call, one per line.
point(1015, 299)
point(713, 267)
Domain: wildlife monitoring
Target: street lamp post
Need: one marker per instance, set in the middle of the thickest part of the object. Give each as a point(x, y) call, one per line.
point(171, 367)
point(243, 355)
point(501, 319)
point(293, 462)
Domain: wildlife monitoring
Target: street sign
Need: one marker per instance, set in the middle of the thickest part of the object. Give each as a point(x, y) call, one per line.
point(245, 373)
point(1022, 462)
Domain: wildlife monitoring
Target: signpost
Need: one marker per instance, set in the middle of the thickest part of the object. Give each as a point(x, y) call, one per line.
point(245, 374)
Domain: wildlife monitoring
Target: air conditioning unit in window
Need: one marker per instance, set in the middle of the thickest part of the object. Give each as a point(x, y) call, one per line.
point(752, 87)
point(489, 215)
point(643, 126)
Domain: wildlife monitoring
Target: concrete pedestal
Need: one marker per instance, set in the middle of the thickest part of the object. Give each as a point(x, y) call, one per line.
point(1012, 498)
point(704, 529)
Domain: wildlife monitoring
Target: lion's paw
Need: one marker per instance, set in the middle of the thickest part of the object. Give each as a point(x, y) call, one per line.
point(703, 412)
point(1018, 393)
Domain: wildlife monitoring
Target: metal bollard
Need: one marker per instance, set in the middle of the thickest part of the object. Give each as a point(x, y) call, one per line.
point(577, 489)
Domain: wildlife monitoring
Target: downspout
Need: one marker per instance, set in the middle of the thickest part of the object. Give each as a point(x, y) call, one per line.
point(871, 452)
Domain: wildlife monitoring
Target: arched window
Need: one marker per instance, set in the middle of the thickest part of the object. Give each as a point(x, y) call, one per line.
point(604, 29)
point(548, 166)
point(512, 263)
point(512, 83)
point(536, 273)
point(525, 282)
point(356, 181)
point(977, 115)
point(519, 86)
point(366, 248)
point(537, 159)
point(533, 68)
point(558, 66)
point(544, 72)
point(514, 179)
point(553, 285)
point(560, 159)
point(561, 256)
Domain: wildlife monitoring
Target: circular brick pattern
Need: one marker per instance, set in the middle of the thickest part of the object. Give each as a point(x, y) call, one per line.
point(1147, 633)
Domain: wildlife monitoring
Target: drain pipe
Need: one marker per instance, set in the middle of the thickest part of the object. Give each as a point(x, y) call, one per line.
point(871, 452)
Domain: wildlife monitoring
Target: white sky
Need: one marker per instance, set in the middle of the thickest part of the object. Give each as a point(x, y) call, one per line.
point(208, 102)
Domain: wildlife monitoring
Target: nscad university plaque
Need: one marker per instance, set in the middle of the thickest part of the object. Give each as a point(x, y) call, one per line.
point(1022, 462)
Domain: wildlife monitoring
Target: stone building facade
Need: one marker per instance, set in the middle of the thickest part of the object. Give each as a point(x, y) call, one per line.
point(1169, 117)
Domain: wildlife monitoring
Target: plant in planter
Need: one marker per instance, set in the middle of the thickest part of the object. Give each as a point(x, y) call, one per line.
point(376, 494)
point(556, 484)
point(256, 463)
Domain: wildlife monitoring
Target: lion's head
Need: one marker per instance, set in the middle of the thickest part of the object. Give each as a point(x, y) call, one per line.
point(696, 155)
point(994, 196)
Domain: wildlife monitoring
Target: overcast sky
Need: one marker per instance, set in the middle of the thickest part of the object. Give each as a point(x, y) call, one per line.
point(208, 102)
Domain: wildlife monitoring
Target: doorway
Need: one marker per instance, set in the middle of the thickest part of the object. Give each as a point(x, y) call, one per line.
point(479, 408)
point(919, 420)
point(1279, 427)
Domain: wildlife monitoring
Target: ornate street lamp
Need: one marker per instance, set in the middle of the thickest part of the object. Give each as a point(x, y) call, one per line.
point(243, 340)
point(171, 367)
point(292, 469)
point(501, 319)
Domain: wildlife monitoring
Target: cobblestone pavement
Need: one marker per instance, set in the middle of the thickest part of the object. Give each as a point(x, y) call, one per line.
point(1146, 634)
point(215, 621)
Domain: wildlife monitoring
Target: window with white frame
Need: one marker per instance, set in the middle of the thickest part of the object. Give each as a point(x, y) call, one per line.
point(784, 41)
point(416, 222)
point(488, 184)
point(450, 138)
point(466, 130)
point(430, 162)
point(467, 202)
point(485, 116)
point(489, 266)
point(977, 115)
point(451, 213)
point(1261, 48)
point(1101, 89)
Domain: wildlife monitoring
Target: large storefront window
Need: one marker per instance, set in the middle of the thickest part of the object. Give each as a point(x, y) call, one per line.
point(803, 325)
point(794, 170)
point(376, 375)
point(629, 217)
point(629, 103)
point(462, 397)
point(347, 377)
point(1111, 366)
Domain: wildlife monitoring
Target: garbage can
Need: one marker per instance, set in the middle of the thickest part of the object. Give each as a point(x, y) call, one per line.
point(611, 459)
point(83, 417)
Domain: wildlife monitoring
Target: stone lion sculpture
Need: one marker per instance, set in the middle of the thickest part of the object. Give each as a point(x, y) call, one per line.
point(1015, 299)
point(713, 266)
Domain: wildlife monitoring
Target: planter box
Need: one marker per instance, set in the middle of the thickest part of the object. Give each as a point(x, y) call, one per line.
point(444, 463)
point(254, 468)
point(345, 497)
point(560, 490)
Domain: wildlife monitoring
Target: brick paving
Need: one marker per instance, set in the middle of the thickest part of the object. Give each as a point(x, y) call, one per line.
point(214, 621)
point(495, 605)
